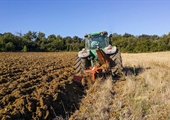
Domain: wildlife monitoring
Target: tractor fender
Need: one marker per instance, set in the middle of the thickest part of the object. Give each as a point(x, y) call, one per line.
point(82, 54)
point(110, 50)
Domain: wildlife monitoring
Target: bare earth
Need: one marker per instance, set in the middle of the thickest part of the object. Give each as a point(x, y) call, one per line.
point(37, 85)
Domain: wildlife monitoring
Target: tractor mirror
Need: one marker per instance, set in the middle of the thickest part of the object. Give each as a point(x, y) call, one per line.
point(110, 35)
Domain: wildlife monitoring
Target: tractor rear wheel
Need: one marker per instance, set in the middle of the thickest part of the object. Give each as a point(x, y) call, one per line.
point(80, 65)
point(117, 68)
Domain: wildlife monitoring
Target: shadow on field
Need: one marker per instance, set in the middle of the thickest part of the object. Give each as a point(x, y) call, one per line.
point(135, 70)
point(68, 101)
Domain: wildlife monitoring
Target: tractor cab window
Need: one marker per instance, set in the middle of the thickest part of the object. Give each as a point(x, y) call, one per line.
point(99, 41)
point(96, 41)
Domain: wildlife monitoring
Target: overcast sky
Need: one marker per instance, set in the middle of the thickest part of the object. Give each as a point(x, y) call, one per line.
point(77, 17)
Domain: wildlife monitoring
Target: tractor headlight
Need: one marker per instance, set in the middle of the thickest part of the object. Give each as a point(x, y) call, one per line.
point(84, 50)
point(110, 49)
point(83, 53)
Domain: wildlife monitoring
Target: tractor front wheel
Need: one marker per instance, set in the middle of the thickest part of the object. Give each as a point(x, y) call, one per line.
point(80, 65)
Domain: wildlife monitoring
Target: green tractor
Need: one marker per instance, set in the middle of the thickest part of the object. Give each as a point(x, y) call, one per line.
point(97, 52)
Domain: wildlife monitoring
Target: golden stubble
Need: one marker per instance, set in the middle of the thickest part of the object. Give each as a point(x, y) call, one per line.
point(148, 91)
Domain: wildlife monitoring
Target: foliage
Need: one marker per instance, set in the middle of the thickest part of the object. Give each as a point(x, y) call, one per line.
point(142, 43)
point(36, 41)
point(24, 49)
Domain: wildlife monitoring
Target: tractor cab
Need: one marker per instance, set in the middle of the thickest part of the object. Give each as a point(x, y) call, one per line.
point(96, 40)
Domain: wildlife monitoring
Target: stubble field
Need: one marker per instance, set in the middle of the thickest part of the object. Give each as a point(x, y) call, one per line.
point(142, 94)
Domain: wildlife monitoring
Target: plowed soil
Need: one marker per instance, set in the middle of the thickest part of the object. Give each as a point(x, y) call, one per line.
point(38, 86)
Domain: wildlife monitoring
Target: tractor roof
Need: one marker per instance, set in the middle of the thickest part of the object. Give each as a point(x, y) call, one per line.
point(96, 33)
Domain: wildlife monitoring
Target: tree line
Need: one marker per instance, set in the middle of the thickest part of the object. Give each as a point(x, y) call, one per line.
point(37, 42)
point(142, 43)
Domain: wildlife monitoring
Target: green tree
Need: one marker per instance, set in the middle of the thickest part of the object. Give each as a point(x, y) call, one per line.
point(2, 44)
point(24, 48)
point(10, 46)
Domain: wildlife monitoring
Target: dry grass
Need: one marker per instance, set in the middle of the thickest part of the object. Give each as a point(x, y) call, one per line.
point(97, 102)
point(148, 93)
point(144, 95)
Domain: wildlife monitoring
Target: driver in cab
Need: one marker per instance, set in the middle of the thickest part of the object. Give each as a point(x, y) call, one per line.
point(94, 44)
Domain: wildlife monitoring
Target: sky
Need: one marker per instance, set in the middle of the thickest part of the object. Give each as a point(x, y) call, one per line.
point(78, 17)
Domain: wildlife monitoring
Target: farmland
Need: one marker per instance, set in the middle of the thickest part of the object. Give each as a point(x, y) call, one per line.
point(40, 86)
point(144, 94)
point(37, 85)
